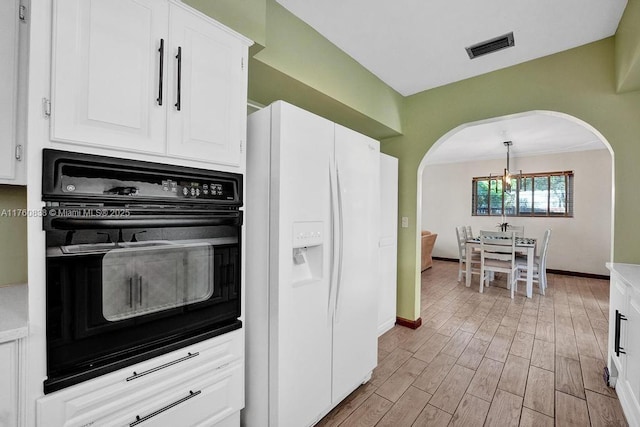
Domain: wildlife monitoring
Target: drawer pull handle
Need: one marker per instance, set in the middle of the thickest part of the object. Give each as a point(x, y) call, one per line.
point(617, 348)
point(157, 368)
point(140, 419)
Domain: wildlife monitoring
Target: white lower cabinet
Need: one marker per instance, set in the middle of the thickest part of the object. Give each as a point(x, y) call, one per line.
point(202, 384)
point(632, 349)
point(618, 294)
point(10, 383)
point(624, 330)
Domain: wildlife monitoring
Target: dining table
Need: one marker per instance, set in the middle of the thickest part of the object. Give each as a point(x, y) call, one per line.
point(525, 245)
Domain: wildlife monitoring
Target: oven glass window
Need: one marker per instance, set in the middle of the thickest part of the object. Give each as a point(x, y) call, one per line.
point(152, 276)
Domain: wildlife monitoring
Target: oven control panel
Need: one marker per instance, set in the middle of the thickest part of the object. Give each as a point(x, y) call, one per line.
point(213, 190)
point(99, 179)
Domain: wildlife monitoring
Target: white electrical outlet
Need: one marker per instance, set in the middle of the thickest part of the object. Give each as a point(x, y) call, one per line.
point(405, 222)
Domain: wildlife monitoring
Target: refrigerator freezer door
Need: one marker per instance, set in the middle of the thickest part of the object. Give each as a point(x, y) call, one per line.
point(300, 331)
point(356, 308)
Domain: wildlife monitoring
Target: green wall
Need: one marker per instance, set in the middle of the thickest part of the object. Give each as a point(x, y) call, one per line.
point(13, 235)
point(628, 48)
point(297, 50)
point(580, 82)
point(248, 17)
point(300, 66)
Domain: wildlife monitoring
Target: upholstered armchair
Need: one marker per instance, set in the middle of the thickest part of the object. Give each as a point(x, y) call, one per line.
point(428, 241)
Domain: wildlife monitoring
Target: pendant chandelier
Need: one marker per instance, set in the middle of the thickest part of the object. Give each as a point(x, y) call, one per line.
point(507, 176)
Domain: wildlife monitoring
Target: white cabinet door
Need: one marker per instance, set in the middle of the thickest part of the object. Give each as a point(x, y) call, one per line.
point(388, 251)
point(8, 87)
point(618, 295)
point(207, 90)
point(632, 348)
point(300, 327)
point(106, 73)
point(9, 385)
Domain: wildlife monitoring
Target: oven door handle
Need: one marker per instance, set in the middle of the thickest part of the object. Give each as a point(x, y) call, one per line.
point(137, 222)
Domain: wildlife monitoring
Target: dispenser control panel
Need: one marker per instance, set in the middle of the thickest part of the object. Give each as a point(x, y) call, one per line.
point(309, 233)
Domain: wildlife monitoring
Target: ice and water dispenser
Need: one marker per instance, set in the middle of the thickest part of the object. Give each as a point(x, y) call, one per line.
point(308, 242)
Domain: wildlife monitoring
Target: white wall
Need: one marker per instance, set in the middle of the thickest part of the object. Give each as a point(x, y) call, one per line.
point(579, 244)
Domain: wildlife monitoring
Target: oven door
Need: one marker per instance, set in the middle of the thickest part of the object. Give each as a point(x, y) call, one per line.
point(123, 290)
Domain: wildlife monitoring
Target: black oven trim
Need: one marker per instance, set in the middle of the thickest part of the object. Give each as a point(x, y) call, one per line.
point(142, 221)
point(142, 212)
point(53, 160)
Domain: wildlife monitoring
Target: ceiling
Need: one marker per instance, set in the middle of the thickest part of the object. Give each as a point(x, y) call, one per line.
point(416, 45)
point(532, 134)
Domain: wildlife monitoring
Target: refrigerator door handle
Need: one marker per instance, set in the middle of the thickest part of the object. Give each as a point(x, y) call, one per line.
point(340, 246)
point(335, 249)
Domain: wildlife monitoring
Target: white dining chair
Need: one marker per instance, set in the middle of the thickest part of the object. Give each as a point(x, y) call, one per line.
point(498, 255)
point(468, 232)
point(539, 265)
point(462, 255)
point(517, 229)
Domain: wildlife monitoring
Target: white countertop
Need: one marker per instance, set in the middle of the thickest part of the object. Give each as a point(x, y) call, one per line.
point(629, 272)
point(13, 312)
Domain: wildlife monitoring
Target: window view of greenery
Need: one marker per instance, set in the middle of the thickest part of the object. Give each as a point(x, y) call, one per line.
point(537, 194)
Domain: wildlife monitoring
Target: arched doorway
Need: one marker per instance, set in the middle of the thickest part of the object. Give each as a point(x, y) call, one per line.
point(551, 136)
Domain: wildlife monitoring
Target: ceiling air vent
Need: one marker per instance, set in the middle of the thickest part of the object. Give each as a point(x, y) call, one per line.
point(491, 45)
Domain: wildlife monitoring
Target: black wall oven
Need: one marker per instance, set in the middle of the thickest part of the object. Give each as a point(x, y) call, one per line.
point(142, 259)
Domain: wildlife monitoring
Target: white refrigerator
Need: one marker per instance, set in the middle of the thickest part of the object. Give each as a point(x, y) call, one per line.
point(312, 234)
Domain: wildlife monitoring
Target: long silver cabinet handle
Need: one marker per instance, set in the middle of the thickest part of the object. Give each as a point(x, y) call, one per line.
point(140, 419)
point(157, 368)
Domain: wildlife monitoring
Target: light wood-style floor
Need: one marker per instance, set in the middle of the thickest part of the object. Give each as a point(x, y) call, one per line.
point(484, 359)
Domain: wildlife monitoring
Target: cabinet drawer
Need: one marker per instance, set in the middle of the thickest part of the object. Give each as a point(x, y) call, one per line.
point(141, 389)
point(208, 398)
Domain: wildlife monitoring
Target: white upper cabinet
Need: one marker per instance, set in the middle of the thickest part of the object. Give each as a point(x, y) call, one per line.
point(10, 149)
point(106, 73)
point(207, 65)
point(148, 76)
